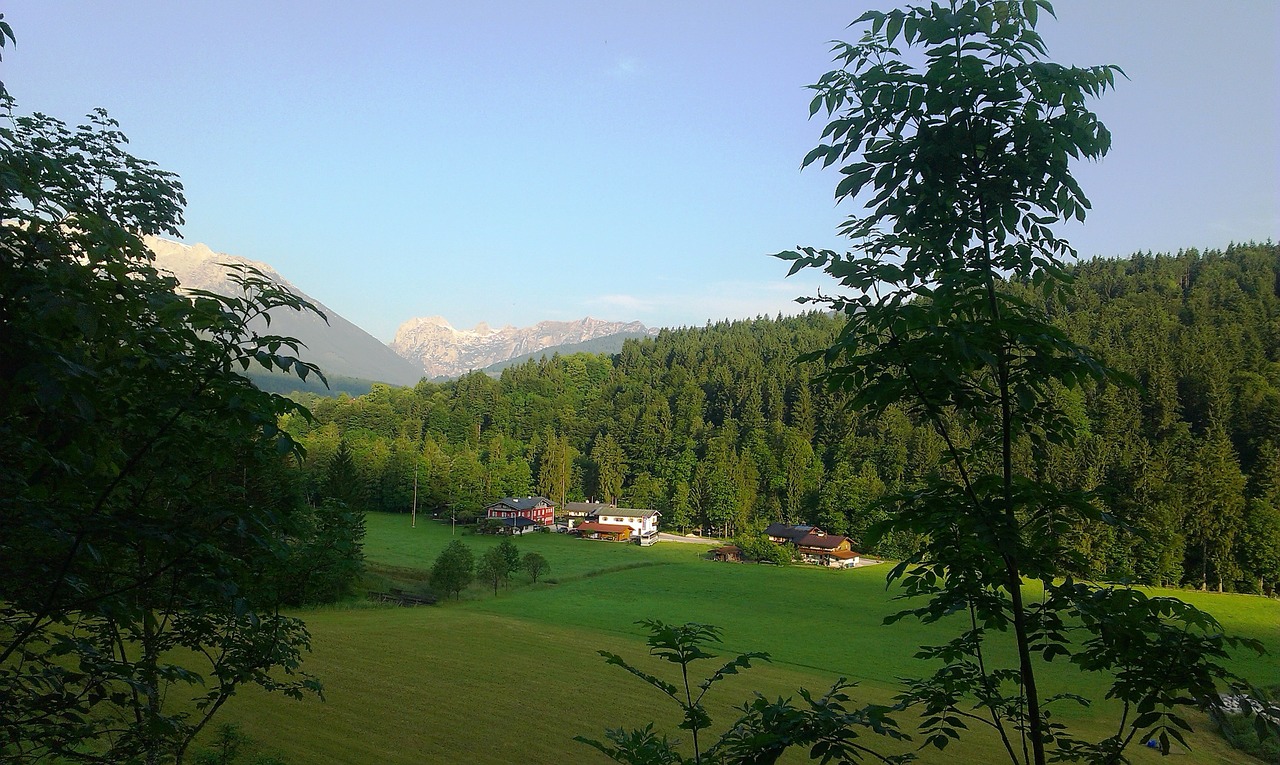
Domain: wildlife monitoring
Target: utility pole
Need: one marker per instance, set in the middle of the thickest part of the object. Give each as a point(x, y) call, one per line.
point(413, 516)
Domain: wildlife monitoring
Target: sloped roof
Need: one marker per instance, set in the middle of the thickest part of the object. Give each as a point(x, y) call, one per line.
point(789, 531)
point(845, 554)
point(822, 541)
point(603, 528)
point(523, 503)
point(585, 507)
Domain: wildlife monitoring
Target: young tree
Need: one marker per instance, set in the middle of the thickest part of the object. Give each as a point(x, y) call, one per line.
point(510, 555)
point(493, 568)
point(536, 565)
point(142, 488)
point(963, 163)
point(454, 568)
point(765, 729)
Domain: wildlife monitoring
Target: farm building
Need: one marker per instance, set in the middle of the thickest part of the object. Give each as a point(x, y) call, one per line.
point(827, 550)
point(539, 510)
point(813, 545)
point(728, 553)
point(517, 525)
point(786, 533)
point(580, 511)
point(613, 532)
point(643, 523)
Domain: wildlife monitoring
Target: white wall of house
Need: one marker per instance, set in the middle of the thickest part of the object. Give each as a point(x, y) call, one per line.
point(643, 526)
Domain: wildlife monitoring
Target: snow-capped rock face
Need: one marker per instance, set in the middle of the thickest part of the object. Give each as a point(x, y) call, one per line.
point(338, 347)
point(427, 346)
point(447, 352)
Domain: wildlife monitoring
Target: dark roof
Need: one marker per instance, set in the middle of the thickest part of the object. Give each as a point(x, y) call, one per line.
point(823, 541)
point(789, 532)
point(727, 550)
point(523, 503)
point(514, 522)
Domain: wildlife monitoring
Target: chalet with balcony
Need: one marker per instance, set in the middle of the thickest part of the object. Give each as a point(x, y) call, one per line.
point(786, 533)
point(642, 523)
point(538, 510)
point(813, 545)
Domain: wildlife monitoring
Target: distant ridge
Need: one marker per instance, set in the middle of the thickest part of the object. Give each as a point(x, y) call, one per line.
point(340, 348)
point(447, 352)
point(609, 344)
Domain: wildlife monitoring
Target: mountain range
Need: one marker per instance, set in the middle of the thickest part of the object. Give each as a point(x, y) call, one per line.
point(447, 352)
point(423, 347)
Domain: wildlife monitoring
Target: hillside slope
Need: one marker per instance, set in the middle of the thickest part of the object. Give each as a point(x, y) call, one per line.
point(338, 347)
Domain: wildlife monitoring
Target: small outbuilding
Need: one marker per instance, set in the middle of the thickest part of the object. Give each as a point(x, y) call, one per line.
point(516, 525)
point(608, 531)
point(728, 553)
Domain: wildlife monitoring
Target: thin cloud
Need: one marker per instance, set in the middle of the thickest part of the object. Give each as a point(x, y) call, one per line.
point(627, 66)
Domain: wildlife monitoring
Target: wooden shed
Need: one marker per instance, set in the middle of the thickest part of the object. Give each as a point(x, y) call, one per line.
point(729, 553)
point(607, 531)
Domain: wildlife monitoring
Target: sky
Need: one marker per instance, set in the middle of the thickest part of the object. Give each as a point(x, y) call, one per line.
point(518, 162)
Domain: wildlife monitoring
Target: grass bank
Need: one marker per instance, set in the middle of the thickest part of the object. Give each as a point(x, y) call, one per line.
point(514, 678)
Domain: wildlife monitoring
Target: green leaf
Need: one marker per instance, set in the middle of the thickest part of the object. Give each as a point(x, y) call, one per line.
point(894, 26)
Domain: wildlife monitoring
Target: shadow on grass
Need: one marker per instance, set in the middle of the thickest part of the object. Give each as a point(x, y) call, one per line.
point(605, 570)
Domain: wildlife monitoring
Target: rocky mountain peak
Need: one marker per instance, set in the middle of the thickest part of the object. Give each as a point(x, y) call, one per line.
point(447, 352)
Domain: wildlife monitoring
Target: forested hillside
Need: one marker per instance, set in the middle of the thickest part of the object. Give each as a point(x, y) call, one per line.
point(719, 427)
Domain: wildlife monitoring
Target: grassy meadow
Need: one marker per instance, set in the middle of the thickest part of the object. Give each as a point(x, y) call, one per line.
point(513, 678)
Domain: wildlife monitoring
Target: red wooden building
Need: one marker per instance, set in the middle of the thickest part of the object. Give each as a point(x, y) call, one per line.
point(540, 510)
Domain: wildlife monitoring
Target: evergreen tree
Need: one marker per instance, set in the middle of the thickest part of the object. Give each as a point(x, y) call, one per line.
point(343, 481)
point(1215, 508)
point(610, 466)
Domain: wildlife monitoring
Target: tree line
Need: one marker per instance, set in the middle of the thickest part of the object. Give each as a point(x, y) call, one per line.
point(720, 429)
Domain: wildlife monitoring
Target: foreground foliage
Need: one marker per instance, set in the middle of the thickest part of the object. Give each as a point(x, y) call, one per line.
point(764, 731)
point(963, 163)
point(143, 483)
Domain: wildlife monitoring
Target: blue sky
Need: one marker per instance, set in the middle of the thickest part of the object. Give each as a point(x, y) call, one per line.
point(515, 162)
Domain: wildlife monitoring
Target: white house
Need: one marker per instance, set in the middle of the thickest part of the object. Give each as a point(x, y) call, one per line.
point(643, 523)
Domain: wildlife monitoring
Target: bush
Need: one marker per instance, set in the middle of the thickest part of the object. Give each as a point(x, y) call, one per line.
point(757, 547)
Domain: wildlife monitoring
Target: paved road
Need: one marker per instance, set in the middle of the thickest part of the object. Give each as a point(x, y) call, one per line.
point(665, 537)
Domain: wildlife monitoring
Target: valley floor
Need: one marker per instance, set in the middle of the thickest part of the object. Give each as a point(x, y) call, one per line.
point(514, 678)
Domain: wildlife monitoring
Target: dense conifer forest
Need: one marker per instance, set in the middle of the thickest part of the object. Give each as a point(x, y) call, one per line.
point(721, 429)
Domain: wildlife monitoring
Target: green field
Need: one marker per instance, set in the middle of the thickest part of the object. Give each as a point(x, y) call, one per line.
point(514, 678)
